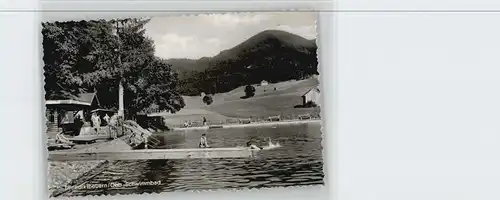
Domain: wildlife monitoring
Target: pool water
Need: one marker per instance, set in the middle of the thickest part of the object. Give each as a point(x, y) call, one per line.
point(297, 162)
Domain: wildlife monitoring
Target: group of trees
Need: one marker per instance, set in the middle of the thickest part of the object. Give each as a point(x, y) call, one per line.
point(249, 91)
point(85, 56)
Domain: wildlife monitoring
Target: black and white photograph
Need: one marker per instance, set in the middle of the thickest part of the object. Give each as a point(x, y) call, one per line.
point(187, 102)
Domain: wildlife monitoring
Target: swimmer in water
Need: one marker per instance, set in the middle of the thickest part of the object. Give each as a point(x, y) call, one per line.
point(270, 143)
point(253, 146)
point(203, 141)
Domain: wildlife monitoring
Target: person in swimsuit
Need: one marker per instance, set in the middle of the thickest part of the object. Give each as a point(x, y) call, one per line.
point(203, 141)
point(253, 146)
point(60, 138)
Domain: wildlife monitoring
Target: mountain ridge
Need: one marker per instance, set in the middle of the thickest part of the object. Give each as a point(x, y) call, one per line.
point(255, 59)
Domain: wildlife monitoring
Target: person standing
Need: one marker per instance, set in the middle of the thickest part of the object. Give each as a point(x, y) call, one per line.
point(92, 119)
point(79, 121)
point(113, 125)
point(204, 121)
point(106, 118)
point(96, 122)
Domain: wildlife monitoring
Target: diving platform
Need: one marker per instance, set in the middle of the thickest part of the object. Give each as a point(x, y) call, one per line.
point(87, 139)
point(153, 154)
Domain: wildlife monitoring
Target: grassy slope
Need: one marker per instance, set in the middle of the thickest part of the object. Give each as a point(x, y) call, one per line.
point(265, 103)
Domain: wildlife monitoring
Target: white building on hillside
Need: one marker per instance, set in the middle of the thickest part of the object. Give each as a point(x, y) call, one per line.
point(312, 94)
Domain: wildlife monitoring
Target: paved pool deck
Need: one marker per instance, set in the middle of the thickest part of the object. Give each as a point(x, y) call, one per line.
point(62, 173)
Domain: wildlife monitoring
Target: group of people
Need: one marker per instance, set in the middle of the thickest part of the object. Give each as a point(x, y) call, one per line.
point(96, 120)
point(204, 143)
point(77, 123)
point(188, 123)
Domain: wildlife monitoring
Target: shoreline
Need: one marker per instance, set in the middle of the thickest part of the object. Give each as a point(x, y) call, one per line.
point(288, 122)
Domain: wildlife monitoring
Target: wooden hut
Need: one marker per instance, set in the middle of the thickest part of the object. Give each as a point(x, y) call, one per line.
point(312, 95)
point(61, 112)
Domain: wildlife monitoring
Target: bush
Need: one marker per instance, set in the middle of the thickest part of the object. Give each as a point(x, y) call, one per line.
point(208, 100)
point(311, 104)
point(249, 91)
point(156, 122)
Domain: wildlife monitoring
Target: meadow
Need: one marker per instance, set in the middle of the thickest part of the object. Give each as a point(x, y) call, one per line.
point(268, 101)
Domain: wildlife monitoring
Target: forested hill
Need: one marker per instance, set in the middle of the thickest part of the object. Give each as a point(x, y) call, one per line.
point(271, 55)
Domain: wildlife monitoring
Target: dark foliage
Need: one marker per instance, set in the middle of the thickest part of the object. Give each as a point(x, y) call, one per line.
point(156, 122)
point(86, 56)
point(311, 104)
point(208, 100)
point(249, 91)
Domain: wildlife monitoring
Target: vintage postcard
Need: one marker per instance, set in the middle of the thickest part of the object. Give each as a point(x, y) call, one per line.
point(182, 103)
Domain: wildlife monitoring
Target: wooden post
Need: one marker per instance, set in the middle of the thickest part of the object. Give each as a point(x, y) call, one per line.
point(120, 86)
point(120, 97)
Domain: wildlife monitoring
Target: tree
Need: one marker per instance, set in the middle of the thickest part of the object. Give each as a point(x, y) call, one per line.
point(72, 51)
point(155, 85)
point(249, 91)
point(208, 99)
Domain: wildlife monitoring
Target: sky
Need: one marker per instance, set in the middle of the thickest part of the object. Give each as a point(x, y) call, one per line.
point(196, 36)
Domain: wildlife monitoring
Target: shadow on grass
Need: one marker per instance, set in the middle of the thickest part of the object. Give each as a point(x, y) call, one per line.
point(305, 106)
point(245, 97)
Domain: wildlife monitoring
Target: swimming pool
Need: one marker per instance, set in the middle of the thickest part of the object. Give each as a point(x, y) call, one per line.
point(297, 162)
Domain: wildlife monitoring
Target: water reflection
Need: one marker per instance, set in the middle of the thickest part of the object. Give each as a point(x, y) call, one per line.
point(298, 162)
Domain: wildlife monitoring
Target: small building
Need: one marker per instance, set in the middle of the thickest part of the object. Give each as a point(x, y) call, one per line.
point(63, 111)
point(312, 95)
point(264, 82)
